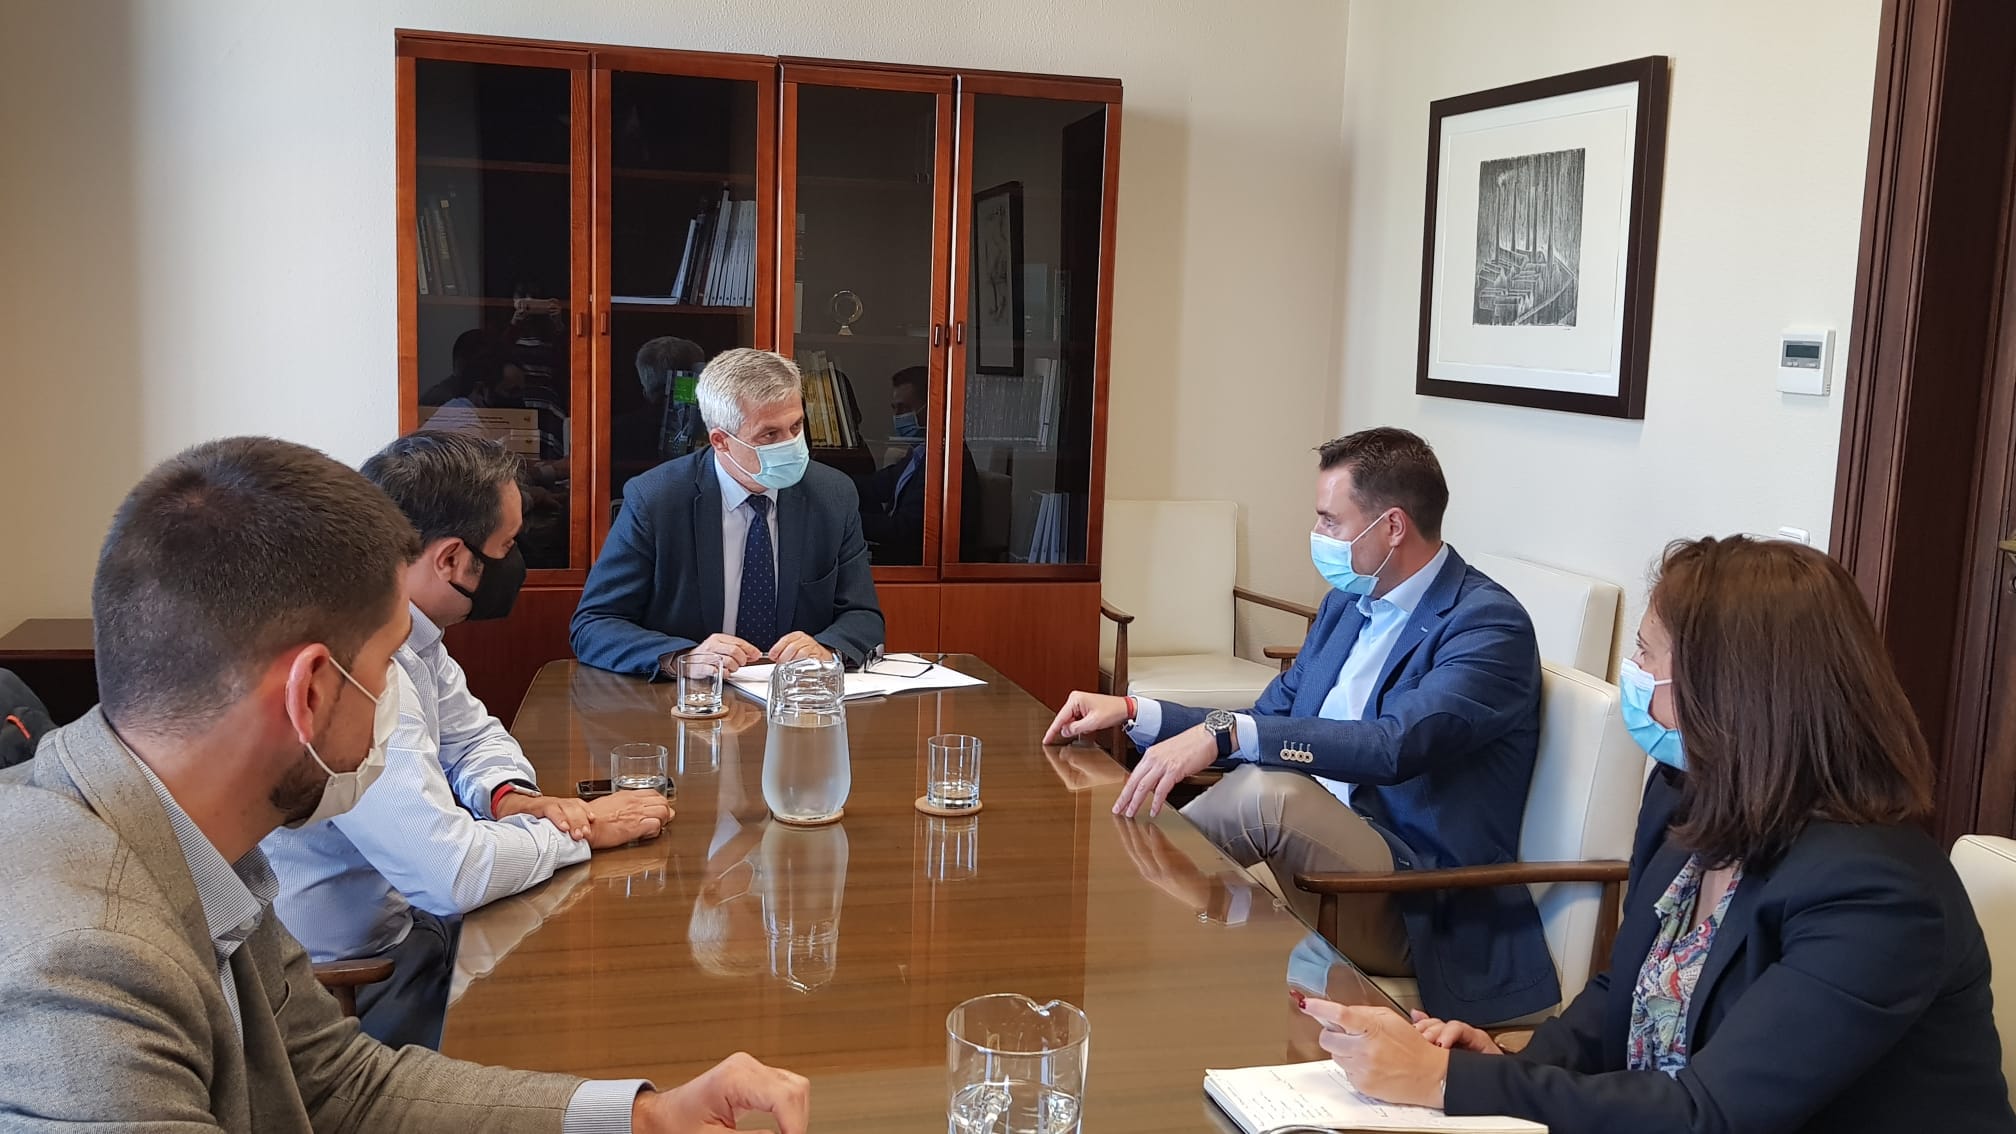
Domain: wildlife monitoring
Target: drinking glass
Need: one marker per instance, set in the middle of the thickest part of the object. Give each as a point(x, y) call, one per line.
point(639, 767)
point(1014, 1066)
point(699, 686)
point(952, 771)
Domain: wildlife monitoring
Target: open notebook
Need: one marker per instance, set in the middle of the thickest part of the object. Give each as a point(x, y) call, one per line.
point(1319, 1095)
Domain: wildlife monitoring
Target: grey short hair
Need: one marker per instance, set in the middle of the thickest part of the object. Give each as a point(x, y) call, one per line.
point(663, 357)
point(740, 379)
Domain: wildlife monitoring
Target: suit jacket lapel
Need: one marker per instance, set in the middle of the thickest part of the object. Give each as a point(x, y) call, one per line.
point(1634, 942)
point(792, 519)
point(1729, 939)
point(1330, 660)
point(1435, 606)
point(706, 527)
point(91, 761)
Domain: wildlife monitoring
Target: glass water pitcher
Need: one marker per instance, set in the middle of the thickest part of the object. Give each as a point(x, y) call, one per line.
point(806, 776)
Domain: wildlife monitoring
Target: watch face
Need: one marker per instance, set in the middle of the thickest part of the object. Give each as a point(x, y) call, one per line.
point(1218, 720)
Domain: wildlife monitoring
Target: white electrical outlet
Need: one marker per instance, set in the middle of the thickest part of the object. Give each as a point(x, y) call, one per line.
point(1796, 535)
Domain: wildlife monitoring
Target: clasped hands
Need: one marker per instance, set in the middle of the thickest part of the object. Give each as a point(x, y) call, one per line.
point(1388, 1057)
point(1162, 767)
point(614, 820)
point(733, 653)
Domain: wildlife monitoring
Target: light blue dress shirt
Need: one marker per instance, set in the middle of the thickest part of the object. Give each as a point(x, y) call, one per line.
point(423, 834)
point(1385, 617)
point(234, 898)
point(735, 516)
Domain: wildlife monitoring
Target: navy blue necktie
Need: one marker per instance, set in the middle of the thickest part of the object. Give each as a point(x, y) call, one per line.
point(756, 607)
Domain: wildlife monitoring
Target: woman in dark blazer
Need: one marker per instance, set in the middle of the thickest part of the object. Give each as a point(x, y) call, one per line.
point(1796, 953)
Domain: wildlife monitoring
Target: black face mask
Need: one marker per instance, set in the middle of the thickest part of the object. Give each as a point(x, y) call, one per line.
point(497, 590)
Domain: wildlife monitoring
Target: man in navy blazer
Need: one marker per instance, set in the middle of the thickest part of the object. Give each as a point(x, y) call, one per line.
point(1402, 738)
point(741, 550)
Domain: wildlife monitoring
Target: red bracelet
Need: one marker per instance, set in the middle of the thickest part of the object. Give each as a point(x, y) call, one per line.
point(503, 790)
point(1133, 712)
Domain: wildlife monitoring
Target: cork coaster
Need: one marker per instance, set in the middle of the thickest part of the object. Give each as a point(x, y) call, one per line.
point(836, 817)
point(713, 716)
point(925, 805)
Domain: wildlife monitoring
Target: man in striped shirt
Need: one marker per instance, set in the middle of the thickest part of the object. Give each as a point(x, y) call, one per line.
point(457, 820)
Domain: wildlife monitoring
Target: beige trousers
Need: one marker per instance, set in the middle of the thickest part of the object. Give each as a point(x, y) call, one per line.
point(1294, 825)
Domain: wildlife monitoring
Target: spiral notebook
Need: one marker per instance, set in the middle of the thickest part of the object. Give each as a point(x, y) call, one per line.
point(1319, 1095)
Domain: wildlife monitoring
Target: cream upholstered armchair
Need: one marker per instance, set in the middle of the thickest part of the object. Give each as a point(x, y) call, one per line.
point(1575, 844)
point(1167, 605)
point(1987, 868)
point(1574, 616)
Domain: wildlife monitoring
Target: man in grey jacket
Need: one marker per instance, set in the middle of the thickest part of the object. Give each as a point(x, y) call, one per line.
point(247, 605)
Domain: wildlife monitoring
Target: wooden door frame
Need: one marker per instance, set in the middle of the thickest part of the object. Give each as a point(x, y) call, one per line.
point(1928, 306)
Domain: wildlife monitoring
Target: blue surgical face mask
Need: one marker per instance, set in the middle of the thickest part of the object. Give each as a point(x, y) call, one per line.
point(1332, 557)
point(1658, 741)
point(780, 465)
point(906, 425)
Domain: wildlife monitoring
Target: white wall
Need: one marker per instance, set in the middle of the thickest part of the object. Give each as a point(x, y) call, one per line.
point(1767, 140)
point(199, 228)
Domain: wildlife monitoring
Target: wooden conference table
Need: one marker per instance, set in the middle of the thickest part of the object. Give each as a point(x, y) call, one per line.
point(838, 951)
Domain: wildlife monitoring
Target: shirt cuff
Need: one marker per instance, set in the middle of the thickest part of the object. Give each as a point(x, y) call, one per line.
point(1147, 722)
point(602, 1106)
point(486, 784)
point(1248, 735)
point(1241, 906)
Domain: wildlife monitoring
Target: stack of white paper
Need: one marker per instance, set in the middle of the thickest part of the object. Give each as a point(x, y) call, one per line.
point(753, 681)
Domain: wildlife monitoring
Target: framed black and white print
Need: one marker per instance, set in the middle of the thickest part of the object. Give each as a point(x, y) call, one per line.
point(997, 279)
point(1542, 230)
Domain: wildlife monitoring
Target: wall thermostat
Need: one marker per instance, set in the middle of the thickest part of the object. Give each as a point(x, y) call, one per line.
point(1805, 360)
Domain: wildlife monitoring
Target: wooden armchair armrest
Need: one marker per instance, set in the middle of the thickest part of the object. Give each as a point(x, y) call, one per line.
point(344, 978)
point(1120, 619)
point(1302, 610)
point(1286, 655)
point(1611, 873)
point(1464, 877)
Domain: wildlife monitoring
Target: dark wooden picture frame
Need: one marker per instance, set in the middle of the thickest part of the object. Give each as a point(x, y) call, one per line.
point(997, 220)
point(1637, 244)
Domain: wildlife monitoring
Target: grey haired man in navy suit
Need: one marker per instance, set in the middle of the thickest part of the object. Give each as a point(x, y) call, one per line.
point(741, 550)
point(1403, 738)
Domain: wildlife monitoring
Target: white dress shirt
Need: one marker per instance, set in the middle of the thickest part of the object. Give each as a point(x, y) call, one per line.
point(1385, 617)
point(345, 883)
point(735, 516)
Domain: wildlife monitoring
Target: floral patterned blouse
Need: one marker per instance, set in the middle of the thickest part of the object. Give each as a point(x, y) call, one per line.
point(1658, 1036)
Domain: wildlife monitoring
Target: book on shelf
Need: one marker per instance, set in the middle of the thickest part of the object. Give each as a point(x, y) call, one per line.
point(829, 404)
point(685, 259)
point(717, 275)
point(420, 258)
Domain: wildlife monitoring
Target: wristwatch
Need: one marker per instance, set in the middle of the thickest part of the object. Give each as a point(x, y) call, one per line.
point(1222, 724)
point(510, 787)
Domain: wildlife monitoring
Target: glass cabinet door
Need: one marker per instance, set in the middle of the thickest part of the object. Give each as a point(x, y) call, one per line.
point(864, 189)
point(1033, 214)
point(493, 212)
point(688, 230)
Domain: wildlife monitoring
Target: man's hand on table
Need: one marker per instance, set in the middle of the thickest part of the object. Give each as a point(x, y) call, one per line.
point(623, 817)
point(736, 1085)
point(1164, 766)
point(572, 816)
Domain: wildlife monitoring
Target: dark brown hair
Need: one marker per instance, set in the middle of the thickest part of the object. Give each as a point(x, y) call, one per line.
point(446, 483)
point(1787, 703)
point(224, 556)
point(1392, 468)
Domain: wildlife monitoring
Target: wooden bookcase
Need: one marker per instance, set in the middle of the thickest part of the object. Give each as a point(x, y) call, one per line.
point(926, 241)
